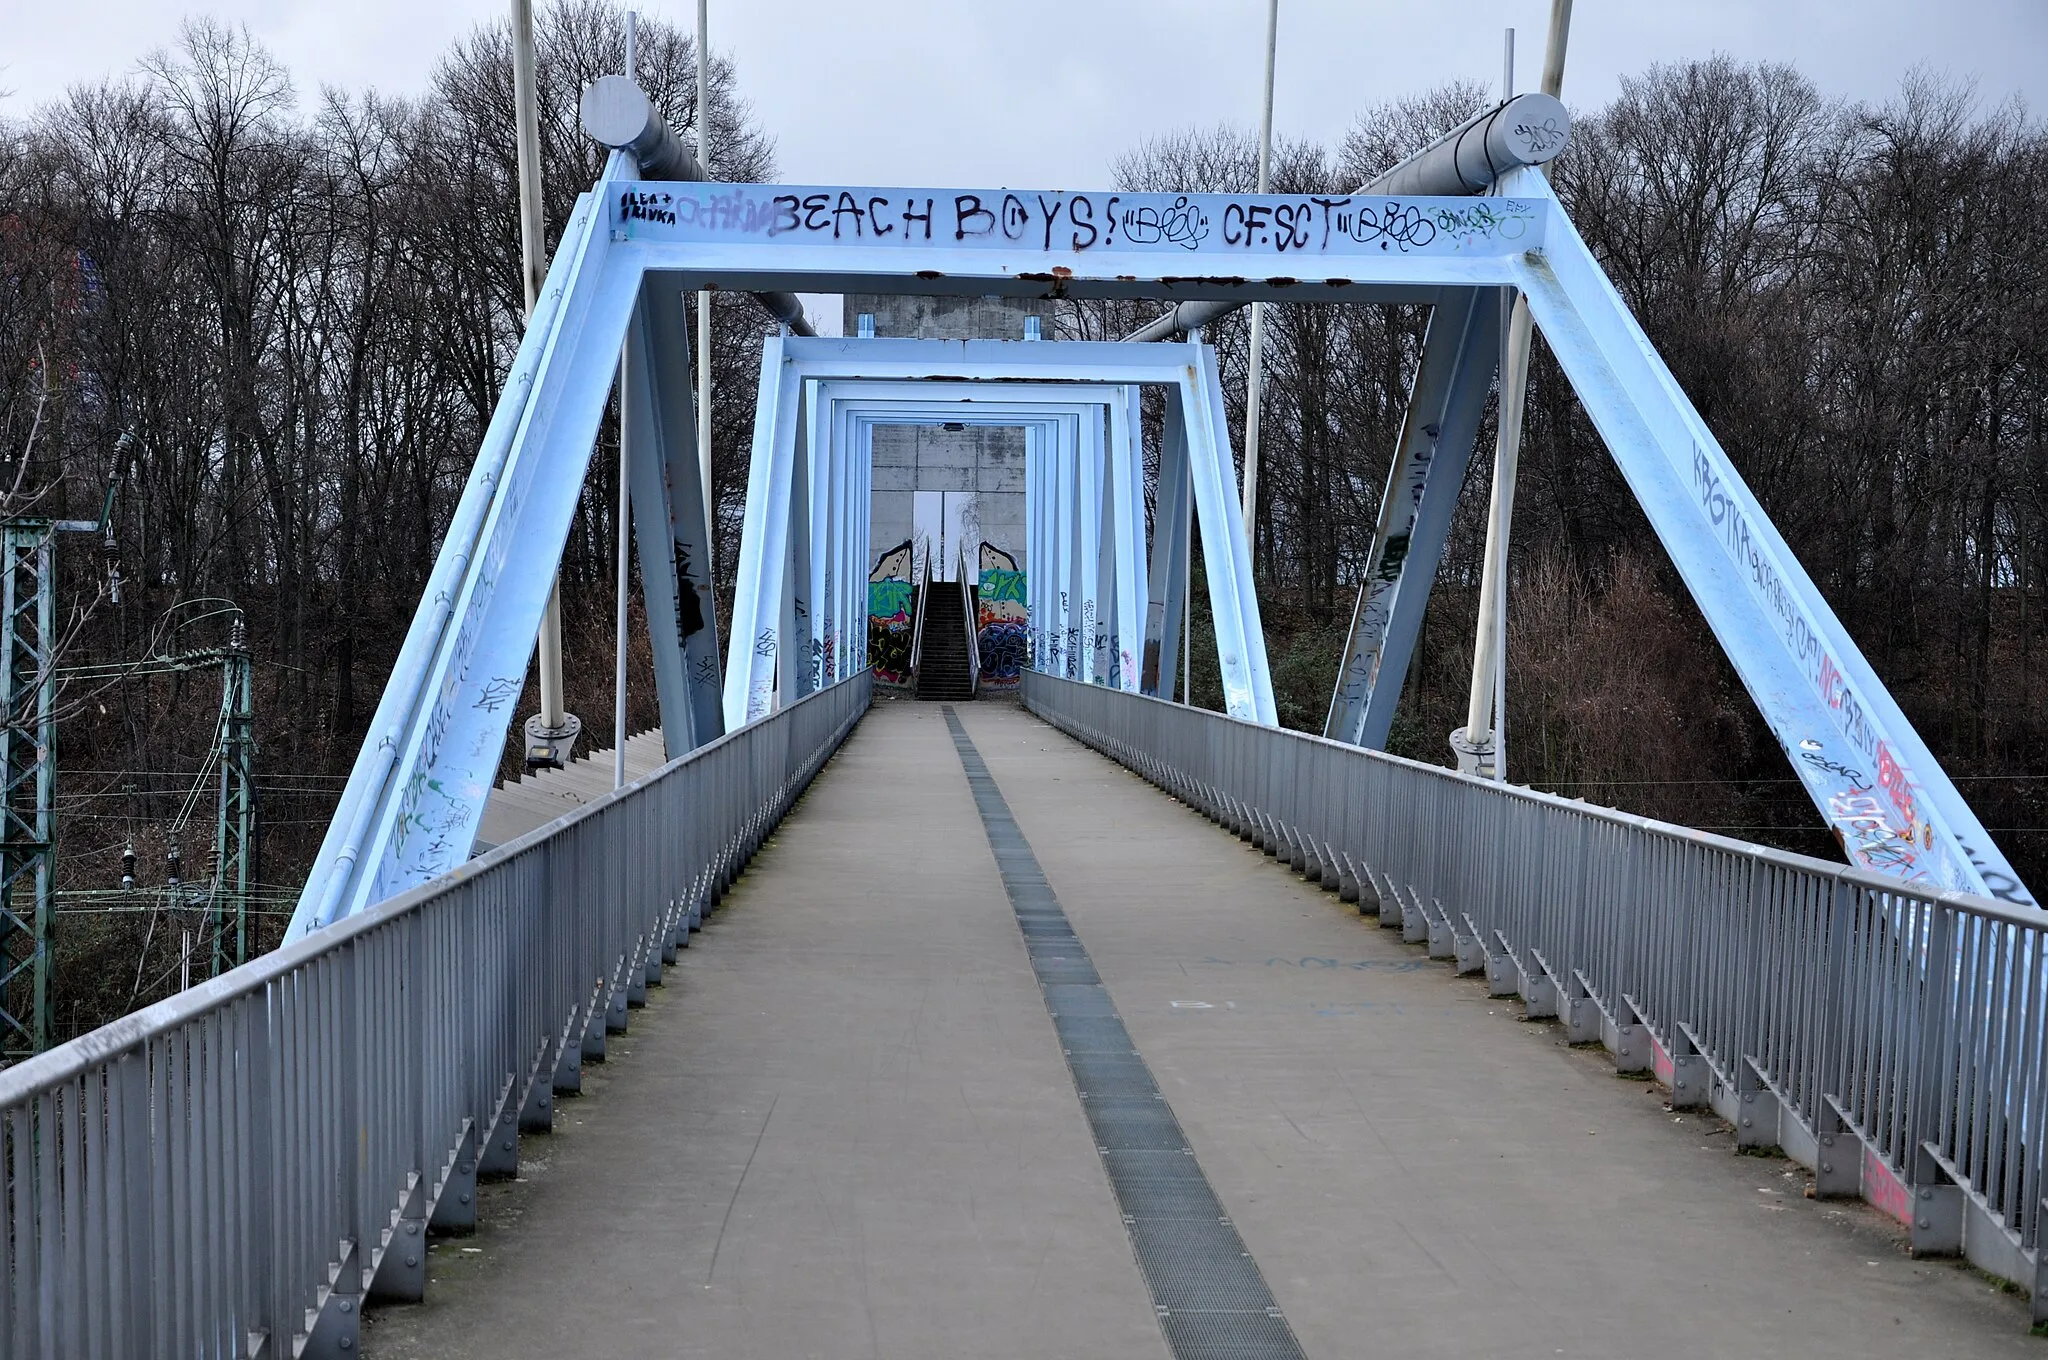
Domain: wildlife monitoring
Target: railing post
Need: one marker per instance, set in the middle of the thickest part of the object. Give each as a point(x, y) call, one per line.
point(1936, 1224)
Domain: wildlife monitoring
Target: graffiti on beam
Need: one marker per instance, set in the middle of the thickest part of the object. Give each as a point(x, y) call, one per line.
point(1080, 224)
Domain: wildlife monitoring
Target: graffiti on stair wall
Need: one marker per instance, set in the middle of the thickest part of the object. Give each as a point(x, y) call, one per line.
point(999, 623)
point(889, 599)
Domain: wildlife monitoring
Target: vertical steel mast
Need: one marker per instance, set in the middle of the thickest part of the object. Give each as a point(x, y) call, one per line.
point(28, 760)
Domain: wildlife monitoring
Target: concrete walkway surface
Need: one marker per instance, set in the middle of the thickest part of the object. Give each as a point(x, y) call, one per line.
point(844, 1127)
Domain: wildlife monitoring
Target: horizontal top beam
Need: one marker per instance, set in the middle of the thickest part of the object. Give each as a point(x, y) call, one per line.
point(1055, 243)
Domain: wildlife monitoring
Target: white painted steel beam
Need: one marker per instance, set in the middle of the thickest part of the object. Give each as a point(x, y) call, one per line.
point(1460, 353)
point(659, 427)
point(1866, 769)
point(1170, 549)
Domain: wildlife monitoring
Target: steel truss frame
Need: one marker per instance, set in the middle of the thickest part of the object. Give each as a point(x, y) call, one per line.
point(1070, 498)
point(1093, 580)
point(631, 249)
point(1054, 433)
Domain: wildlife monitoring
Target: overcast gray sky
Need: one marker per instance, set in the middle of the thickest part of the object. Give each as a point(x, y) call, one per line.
point(1044, 94)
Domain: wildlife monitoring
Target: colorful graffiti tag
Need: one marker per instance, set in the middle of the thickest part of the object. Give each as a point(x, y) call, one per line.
point(889, 600)
point(999, 622)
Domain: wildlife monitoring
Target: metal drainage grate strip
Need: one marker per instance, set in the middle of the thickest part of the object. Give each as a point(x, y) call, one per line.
point(1213, 1303)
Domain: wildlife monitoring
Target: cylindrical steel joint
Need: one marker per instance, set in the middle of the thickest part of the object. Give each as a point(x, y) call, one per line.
point(1530, 129)
point(617, 113)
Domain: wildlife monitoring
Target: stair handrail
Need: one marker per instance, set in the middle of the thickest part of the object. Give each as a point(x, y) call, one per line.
point(969, 590)
point(923, 589)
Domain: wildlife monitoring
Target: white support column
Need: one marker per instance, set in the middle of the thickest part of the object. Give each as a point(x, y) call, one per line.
point(1106, 534)
point(797, 665)
point(1090, 651)
point(1127, 485)
point(764, 545)
point(860, 556)
point(1165, 604)
point(839, 567)
point(1065, 607)
point(1034, 548)
point(820, 504)
point(1240, 641)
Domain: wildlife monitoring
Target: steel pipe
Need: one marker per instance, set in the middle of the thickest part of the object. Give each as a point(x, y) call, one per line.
point(617, 113)
point(1530, 129)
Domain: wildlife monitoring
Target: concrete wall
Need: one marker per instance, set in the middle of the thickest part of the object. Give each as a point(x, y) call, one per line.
point(986, 460)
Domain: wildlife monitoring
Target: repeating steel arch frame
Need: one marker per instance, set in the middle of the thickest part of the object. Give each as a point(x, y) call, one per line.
point(1097, 572)
point(631, 248)
point(1065, 500)
point(837, 469)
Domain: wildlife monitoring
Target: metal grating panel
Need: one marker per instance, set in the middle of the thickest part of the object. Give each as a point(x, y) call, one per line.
point(1093, 1034)
point(1127, 1124)
point(1154, 1200)
point(1229, 1336)
point(1213, 1303)
point(1098, 1075)
point(1135, 1166)
point(1066, 970)
point(1073, 1002)
point(1198, 1263)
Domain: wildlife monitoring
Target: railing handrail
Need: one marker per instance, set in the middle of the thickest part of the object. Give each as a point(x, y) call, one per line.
point(326, 1104)
point(69, 1059)
point(924, 590)
point(1885, 1034)
point(968, 610)
point(1990, 907)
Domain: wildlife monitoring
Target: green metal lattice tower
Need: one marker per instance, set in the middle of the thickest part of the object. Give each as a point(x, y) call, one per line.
point(28, 768)
point(234, 836)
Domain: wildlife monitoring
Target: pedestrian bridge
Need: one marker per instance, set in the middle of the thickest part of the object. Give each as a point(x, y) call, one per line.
point(961, 1041)
point(983, 1049)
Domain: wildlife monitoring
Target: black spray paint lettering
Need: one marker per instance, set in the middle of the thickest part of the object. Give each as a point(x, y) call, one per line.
point(970, 218)
point(1179, 223)
point(737, 212)
point(646, 205)
point(1541, 137)
point(1857, 783)
point(1015, 217)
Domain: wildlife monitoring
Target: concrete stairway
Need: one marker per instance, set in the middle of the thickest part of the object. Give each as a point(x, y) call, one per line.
point(539, 797)
point(942, 667)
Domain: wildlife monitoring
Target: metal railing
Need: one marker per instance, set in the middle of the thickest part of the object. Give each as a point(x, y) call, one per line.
point(969, 574)
point(229, 1172)
point(1887, 1037)
point(923, 591)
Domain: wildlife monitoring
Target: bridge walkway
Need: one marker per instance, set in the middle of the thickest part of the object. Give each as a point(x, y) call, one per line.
point(844, 1127)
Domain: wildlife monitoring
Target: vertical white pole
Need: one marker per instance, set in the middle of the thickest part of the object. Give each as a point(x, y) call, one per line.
point(625, 531)
point(624, 525)
point(704, 296)
point(1255, 378)
point(1187, 606)
point(1515, 370)
point(1487, 704)
point(532, 247)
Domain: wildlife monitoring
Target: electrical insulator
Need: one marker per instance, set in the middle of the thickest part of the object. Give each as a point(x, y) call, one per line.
point(128, 868)
point(171, 869)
